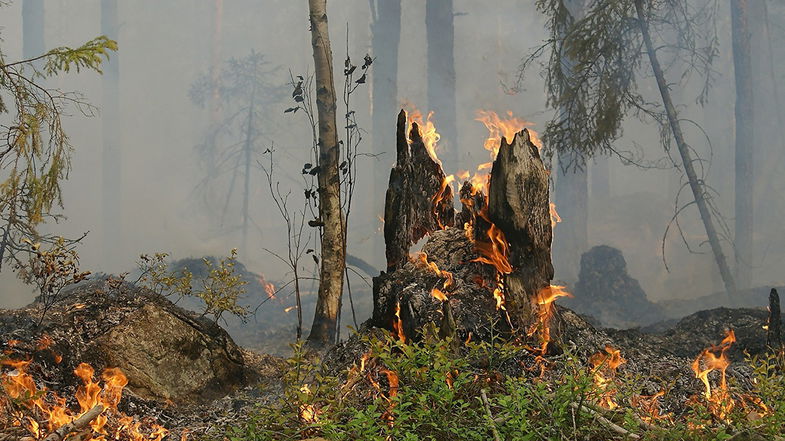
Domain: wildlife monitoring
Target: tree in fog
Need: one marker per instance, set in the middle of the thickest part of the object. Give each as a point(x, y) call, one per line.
point(36, 154)
point(385, 41)
point(745, 140)
point(440, 33)
point(612, 49)
point(571, 191)
point(110, 132)
point(32, 28)
point(247, 92)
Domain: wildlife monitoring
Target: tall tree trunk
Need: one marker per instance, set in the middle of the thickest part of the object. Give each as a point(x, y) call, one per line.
point(571, 193)
point(247, 150)
point(386, 37)
point(214, 103)
point(441, 78)
point(110, 131)
point(32, 28)
point(696, 185)
point(333, 240)
point(742, 65)
point(571, 197)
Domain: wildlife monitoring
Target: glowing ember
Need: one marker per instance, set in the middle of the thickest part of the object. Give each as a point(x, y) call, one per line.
point(649, 407)
point(604, 365)
point(421, 259)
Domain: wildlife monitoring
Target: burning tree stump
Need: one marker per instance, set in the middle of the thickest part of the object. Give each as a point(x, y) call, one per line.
point(418, 200)
point(492, 269)
point(519, 206)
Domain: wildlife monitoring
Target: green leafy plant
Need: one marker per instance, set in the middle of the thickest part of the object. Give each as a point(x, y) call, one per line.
point(219, 290)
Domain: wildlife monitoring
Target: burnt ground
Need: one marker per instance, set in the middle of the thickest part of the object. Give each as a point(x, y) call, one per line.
point(659, 356)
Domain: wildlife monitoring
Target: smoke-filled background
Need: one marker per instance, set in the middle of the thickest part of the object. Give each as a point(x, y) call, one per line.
point(167, 49)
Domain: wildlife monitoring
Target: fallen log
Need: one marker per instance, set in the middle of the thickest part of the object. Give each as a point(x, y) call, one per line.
point(418, 199)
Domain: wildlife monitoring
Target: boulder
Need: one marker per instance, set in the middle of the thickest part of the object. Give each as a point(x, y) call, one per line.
point(607, 293)
point(168, 354)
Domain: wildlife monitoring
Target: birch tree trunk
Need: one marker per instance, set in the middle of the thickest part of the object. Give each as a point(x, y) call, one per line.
point(333, 247)
point(745, 178)
point(110, 132)
point(696, 185)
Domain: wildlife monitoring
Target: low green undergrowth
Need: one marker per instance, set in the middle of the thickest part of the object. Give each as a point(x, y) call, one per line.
point(433, 391)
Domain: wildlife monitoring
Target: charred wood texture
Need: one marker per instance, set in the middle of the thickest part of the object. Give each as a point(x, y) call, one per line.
point(774, 330)
point(518, 204)
point(418, 201)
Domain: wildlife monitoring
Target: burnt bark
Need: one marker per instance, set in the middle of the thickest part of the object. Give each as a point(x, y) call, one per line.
point(774, 330)
point(518, 205)
point(418, 199)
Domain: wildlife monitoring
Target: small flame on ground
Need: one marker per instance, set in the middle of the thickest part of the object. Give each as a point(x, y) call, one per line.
point(604, 365)
point(720, 402)
point(19, 385)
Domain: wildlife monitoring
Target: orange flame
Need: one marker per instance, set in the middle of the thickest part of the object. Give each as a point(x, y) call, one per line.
point(720, 402)
point(544, 306)
point(421, 259)
point(428, 132)
point(555, 218)
point(604, 367)
point(19, 385)
point(398, 324)
point(503, 127)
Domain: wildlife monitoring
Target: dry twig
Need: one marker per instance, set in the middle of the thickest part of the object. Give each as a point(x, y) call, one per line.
point(490, 415)
point(77, 424)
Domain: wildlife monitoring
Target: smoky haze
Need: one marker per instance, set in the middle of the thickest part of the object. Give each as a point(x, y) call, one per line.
point(165, 47)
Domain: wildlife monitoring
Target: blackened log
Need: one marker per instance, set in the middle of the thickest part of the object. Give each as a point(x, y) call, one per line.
point(774, 331)
point(518, 204)
point(418, 199)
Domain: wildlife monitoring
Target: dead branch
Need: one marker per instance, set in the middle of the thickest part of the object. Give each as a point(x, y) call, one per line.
point(490, 415)
point(77, 424)
point(605, 422)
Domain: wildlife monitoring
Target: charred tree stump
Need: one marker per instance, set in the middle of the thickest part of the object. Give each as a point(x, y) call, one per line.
point(774, 329)
point(484, 276)
point(518, 204)
point(418, 199)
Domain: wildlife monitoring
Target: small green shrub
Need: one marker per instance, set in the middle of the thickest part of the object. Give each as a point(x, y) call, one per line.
point(219, 290)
